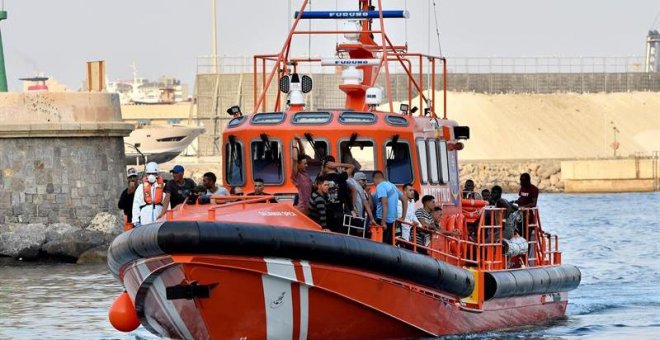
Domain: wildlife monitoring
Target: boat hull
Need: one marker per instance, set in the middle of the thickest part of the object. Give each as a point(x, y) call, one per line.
point(253, 297)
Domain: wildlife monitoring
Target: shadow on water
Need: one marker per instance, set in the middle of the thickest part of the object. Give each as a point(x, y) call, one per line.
point(613, 238)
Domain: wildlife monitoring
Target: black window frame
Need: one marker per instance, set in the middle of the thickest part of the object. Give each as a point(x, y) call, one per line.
point(301, 113)
point(282, 159)
point(264, 114)
point(410, 163)
point(225, 169)
point(346, 113)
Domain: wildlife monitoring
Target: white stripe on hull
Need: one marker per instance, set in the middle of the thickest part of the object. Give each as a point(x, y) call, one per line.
point(277, 298)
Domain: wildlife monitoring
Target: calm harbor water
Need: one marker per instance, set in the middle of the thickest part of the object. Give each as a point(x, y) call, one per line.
point(613, 238)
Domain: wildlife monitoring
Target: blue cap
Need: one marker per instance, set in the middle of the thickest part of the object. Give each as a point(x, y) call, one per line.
point(177, 169)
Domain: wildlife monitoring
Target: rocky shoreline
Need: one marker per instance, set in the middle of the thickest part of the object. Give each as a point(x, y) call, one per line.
point(60, 241)
point(545, 174)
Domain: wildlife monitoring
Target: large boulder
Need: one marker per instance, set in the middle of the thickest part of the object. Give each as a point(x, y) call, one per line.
point(106, 223)
point(95, 255)
point(22, 240)
point(69, 242)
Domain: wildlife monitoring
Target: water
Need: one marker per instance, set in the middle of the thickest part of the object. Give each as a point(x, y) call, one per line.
point(613, 238)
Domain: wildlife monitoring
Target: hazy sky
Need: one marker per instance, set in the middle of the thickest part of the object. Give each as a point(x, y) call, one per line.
point(164, 37)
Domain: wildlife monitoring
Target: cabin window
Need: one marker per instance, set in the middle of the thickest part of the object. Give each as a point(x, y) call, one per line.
point(351, 117)
point(360, 153)
point(315, 118)
point(267, 161)
point(396, 121)
point(433, 161)
point(267, 118)
point(234, 122)
point(423, 161)
point(317, 153)
point(398, 162)
point(444, 163)
point(234, 174)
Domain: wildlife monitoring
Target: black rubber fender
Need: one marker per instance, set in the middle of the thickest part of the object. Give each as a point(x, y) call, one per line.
point(243, 239)
point(530, 281)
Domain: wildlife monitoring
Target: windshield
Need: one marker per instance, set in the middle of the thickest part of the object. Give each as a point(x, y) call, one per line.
point(398, 163)
point(267, 161)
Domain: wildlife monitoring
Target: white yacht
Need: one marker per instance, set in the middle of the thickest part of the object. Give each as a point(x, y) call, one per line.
point(158, 143)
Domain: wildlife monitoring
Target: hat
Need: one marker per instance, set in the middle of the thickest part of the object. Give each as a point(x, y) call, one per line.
point(177, 169)
point(360, 176)
point(131, 172)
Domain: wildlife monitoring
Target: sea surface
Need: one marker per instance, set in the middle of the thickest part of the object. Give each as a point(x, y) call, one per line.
point(613, 238)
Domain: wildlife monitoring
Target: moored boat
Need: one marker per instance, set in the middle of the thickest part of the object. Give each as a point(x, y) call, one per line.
point(254, 267)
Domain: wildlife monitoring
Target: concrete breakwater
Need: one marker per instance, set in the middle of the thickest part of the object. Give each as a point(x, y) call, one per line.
point(545, 174)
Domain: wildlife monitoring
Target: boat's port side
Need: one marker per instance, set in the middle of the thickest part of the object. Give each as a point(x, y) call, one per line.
point(530, 281)
point(230, 238)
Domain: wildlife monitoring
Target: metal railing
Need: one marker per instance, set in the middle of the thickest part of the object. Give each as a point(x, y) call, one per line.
point(468, 65)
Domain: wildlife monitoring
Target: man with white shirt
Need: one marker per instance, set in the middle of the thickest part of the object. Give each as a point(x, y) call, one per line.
point(409, 193)
point(150, 201)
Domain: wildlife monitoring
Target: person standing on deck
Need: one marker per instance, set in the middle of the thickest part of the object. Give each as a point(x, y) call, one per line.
point(150, 198)
point(299, 175)
point(316, 207)
point(179, 188)
point(528, 193)
point(126, 199)
point(387, 196)
point(410, 217)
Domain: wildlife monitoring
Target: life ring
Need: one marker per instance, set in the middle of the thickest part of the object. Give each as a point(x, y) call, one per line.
point(473, 203)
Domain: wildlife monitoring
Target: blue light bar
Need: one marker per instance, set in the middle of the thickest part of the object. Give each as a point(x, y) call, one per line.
point(352, 14)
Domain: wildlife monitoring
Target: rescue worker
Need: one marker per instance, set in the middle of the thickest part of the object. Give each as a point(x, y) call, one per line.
point(150, 197)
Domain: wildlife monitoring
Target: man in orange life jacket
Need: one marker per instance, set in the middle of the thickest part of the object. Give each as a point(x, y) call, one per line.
point(150, 197)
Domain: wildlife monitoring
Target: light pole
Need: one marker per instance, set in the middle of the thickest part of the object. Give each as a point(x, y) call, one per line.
point(3, 73)
point(615, 144)
point(215, 38)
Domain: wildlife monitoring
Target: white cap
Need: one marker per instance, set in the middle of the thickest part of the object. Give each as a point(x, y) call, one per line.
point(152, 168)
point(131, 172)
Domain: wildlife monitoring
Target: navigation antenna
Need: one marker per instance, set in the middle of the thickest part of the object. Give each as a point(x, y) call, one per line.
point(437, 30)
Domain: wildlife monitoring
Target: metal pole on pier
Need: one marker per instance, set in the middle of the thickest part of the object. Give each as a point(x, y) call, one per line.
point(215, 38)
point(3, 73)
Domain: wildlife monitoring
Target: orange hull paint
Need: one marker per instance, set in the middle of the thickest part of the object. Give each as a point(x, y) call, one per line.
point(279, 298)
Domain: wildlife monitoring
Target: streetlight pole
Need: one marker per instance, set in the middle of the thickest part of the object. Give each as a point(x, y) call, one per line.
point(3, 73)
point(215, 38)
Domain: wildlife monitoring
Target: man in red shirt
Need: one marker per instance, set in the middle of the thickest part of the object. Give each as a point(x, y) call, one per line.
point(528, 193)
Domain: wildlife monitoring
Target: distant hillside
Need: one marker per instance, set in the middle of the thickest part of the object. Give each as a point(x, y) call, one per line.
point(525, 126)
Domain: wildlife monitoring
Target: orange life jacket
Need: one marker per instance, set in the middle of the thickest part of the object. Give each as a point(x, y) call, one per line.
point(159, 191)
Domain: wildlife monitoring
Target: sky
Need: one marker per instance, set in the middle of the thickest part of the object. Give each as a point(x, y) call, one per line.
point(165, 37)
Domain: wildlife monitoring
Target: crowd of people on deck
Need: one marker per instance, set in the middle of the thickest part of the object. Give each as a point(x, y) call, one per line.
point(337, 199)
point(146, 200)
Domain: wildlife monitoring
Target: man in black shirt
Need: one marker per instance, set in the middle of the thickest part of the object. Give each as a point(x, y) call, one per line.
point(339, 196)
point(126, 198)
point(179, 188)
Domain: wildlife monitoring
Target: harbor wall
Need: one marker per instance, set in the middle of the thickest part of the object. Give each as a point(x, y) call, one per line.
point(611, 175)
point(61, 157)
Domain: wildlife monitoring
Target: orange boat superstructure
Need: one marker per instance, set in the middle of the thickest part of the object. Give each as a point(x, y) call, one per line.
point(247, 267)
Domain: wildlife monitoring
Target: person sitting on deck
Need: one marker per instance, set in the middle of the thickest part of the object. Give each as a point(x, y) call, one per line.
point(410, 217)
point(387, 196)
point(316, 207)
point(485, 195)
point(437, 218)
point(259, 190)
point(299, 175)
point(468, 189)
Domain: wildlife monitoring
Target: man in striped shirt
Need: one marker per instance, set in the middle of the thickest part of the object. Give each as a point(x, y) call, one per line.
point(425, 218)
point(318, 202)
